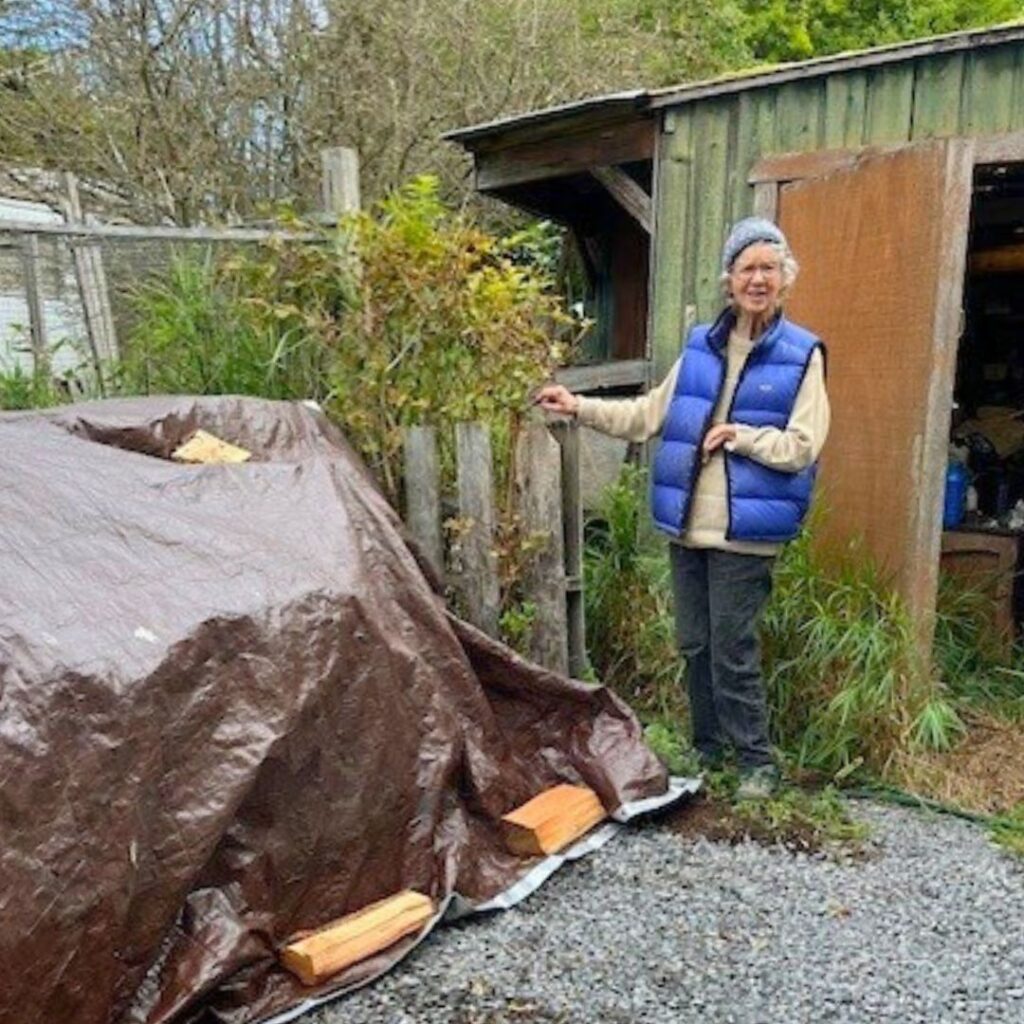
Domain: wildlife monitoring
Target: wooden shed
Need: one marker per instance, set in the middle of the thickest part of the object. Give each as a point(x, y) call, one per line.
point(886, 168)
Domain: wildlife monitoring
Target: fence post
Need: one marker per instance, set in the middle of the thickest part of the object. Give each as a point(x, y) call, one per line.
point(538, 469)
point(423, 493)
point(567, 433)
point(339, 180)
point(34, 299)
point(92, 286)
point(479, 572)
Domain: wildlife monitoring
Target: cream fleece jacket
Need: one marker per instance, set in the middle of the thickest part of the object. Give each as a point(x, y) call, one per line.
point(789, 450)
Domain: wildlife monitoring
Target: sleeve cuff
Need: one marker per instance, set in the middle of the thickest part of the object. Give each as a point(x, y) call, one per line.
point(744, 440)
point(585, 409)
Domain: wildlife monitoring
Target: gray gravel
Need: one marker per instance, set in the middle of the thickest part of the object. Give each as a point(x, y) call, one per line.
point(657, 928)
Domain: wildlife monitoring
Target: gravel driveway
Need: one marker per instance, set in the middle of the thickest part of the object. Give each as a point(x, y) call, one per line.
point(655, 927)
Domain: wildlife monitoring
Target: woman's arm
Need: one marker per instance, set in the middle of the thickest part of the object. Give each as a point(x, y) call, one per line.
point(634, 419)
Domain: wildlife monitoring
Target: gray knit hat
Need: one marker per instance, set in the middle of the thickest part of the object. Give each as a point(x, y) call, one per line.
point(746, 232)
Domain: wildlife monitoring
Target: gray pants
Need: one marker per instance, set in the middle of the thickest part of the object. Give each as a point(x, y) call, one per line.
point(719, 597)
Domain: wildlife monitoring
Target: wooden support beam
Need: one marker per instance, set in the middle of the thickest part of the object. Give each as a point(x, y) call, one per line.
point(571, 154)
point(316, 957)
point(628, 194)
point(478, 563)
point(552, 820)
point(423, 494)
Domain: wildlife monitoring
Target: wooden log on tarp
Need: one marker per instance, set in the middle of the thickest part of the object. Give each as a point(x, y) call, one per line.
point(423, 493)
point(551, 820)
point(478, 571)
point(538, 475)
point(315, 957)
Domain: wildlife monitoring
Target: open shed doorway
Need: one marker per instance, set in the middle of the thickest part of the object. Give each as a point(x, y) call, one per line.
point(984, 516)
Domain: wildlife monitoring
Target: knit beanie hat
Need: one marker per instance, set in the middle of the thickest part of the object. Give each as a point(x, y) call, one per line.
point(746, 232)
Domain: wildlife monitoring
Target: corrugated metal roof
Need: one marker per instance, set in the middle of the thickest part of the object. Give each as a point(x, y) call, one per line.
point(752, 78)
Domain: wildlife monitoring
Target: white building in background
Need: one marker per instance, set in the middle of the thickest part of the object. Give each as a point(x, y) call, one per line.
point(63, 316)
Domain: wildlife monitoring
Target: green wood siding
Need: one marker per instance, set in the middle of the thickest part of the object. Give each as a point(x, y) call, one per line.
point(704, 161)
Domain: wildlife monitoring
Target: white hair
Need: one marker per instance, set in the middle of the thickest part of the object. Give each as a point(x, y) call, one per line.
point(790, 270)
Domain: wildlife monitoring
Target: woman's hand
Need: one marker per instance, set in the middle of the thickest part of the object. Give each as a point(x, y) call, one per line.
point(556, 398)
point(717, 436)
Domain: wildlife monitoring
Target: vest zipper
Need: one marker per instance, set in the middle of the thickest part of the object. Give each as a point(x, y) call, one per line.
point(725, 453)
point(698, 460)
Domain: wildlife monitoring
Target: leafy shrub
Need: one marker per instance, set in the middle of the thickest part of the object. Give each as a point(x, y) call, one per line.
point(630, 629)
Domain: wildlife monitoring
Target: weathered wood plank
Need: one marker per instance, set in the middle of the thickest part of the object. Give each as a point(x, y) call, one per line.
point(567, 433)
point(797, 166)
point(988, 91)
point(339, 180)
point(628, 194)
point(755, 135)
point(616, 144)
point(538, 475)
point(92, 287)
point(766, 200)
point(1017, 101)
point(478, 564)
point(617, 374)
point(845, 105)
point(889, 105)
point(937, 88)
point(34, 300)
point(711, 130)
point(137, 232)
point(423, 493)
point(671, 255)
point(996, 149)
point(799, 116)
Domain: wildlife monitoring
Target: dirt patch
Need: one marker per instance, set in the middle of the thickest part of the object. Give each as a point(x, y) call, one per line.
point(985, 772)
point(773, 823)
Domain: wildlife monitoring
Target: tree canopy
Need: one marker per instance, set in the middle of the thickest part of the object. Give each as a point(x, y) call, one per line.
point(215, 109)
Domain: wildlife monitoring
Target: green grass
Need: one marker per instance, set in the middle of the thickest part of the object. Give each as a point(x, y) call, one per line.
point(1007, 830)
point(195, 331)
point(21, 389)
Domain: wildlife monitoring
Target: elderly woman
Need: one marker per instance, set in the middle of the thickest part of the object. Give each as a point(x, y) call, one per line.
point(743, 416)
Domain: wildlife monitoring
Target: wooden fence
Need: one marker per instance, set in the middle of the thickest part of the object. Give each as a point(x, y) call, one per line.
point(546, 473)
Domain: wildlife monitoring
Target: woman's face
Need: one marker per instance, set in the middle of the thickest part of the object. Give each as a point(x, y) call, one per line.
point(756, 279)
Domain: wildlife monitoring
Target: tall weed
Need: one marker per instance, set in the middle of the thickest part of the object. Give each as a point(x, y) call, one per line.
point(630, 630)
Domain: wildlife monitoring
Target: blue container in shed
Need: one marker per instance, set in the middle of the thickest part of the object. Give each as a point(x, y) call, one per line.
point(956, 495)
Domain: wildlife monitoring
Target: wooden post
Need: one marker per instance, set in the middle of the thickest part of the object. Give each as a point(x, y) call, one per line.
point(92, 286)
point(567, 433)
point(423, 493)
point(34, 300)
point(538, 469)
point(340, 181)
point(479, 565)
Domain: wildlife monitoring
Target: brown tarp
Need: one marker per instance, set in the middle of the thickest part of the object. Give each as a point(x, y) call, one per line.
point(233, 706)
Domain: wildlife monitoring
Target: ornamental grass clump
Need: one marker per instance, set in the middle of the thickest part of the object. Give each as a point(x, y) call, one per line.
point(846, 684)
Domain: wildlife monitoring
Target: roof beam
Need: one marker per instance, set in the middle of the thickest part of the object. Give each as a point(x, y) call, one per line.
point(572, 154)
point(628, 194)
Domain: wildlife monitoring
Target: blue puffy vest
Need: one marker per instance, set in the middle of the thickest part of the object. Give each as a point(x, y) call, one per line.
point(764, 504)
